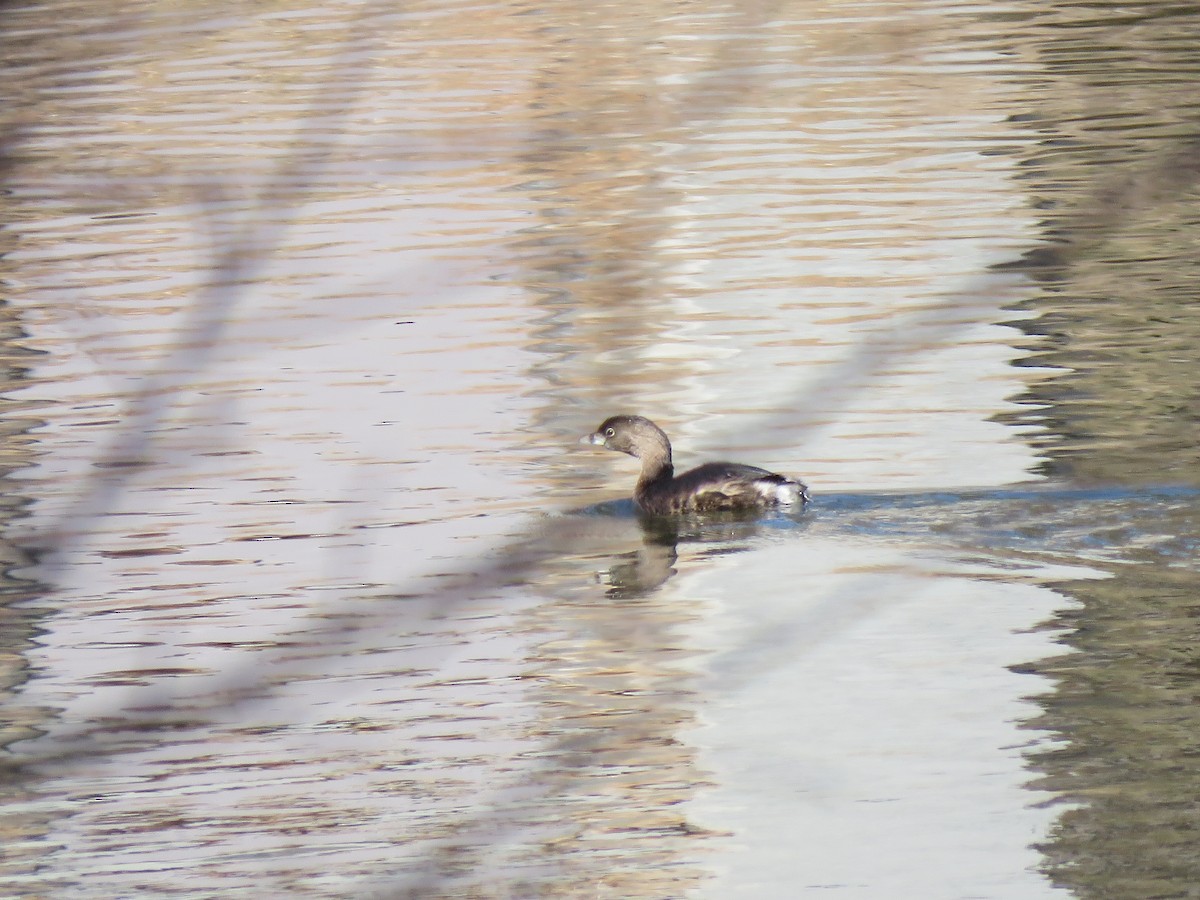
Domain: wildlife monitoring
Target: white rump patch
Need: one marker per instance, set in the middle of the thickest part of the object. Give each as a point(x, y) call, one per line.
point(787, 493)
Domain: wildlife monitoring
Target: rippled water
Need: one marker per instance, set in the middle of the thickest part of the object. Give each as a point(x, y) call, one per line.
point(312, 590)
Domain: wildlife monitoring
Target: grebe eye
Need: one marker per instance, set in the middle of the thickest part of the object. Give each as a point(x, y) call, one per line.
point(609, 432)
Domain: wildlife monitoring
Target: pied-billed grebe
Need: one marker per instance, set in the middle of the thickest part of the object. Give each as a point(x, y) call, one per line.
point(707, 488)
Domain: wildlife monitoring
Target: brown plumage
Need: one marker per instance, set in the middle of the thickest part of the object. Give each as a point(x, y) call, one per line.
point(707, 488)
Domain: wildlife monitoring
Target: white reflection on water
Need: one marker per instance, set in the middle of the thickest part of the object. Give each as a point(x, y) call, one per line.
point(861, 726)
point(262, 662)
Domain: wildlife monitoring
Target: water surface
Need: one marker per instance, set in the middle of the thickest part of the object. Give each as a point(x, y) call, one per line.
point(312, 589)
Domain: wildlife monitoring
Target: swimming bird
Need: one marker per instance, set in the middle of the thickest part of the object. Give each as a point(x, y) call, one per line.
point(707, 488)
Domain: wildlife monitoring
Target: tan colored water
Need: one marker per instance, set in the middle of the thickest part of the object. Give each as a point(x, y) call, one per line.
point(321, 601)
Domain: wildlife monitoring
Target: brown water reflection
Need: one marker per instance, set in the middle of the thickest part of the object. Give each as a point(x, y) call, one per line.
point(315, 300)
point(1117, 179)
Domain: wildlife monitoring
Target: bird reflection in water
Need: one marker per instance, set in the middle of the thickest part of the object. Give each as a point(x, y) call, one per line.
point(641, 571)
